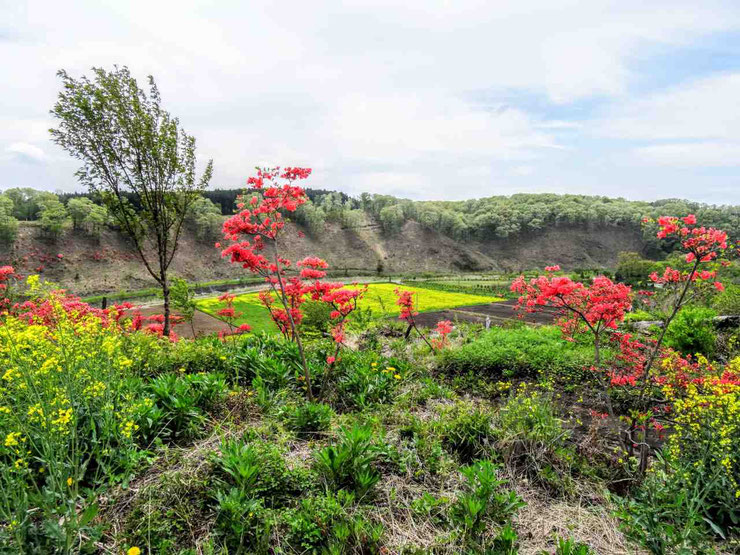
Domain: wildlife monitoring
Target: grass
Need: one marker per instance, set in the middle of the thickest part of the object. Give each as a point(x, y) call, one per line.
point(379, 298)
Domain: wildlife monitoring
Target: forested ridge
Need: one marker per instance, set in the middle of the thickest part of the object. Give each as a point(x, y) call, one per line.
point(489, 218)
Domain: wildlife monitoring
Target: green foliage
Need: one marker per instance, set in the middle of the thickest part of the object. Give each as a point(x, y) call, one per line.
point(330, 524)
point(483, 501)
point(668, 513)
point(465, 429)
point(205, 217)
point(633, 268)
point(180, 405)
point(361, 383)
point(316, 317)
point(8, 223)
point(521, 351)
point(53, 216)
point(256, 468)
point(164, 513)
point(27, 202)
point(640, 316)
point(348, 464)
point(532, 439)
point(242, 522)
point(182, 297)
point(692, 331)
point(569, 546)
point(392, 219)
point(308, 419)
point(728, 302)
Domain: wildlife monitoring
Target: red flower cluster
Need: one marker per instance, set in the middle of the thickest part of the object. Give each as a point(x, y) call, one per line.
point(443, 329)
point(406, 302)
point(703, 243)
point(312, 267)
point(600, 306)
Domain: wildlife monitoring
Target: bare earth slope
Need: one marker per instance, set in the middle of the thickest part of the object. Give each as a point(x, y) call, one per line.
point(88, 266)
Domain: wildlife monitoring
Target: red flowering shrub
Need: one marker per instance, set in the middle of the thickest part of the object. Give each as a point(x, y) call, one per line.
point(255, 234)
point(602, 306)
point(408, 313)
point(443, 329)
point(595, 308)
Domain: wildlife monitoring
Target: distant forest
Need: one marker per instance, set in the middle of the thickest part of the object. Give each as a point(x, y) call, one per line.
point(495, 217)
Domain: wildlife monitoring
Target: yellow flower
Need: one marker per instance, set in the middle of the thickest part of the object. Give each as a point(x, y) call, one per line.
point(70, 481)
point(12, 438)
point(133, 551)
point(397, 376)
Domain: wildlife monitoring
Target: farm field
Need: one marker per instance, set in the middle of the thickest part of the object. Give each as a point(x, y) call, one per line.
point(380, 299)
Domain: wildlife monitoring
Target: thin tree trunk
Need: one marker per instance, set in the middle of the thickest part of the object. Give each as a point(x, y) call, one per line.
point(166, 298)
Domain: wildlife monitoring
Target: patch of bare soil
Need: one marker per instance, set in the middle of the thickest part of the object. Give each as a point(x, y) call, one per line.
point(203, 324)
point(499, 313)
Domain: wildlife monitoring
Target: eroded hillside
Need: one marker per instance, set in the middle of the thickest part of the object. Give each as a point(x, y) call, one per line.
point(90, 266)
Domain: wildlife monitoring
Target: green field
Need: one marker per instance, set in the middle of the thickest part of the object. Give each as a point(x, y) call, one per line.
point(379, 298)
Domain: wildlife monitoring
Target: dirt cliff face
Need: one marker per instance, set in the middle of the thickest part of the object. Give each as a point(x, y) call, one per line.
point(89, 266)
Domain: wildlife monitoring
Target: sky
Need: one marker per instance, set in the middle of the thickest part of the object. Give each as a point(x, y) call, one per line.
point(424, 99)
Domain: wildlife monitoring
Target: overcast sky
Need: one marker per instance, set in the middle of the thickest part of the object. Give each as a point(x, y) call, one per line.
point(422, 99)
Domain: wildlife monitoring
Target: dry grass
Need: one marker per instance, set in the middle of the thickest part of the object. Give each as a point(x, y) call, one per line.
point(543, 518)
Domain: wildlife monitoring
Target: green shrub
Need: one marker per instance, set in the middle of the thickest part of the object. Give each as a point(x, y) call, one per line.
point(242, 522)
point(569, 546)
point(422, 451)
point(483, 501)
point(206, 354)
point(521, 351)
point(316, 317)
point(349, 463)
point(309, 418)
point(639, 316)
point(531, 438)
point(692, 331)
point(256, 468)
point(728, 302)
point(362, 381)
point(180, 402)
point(330, 524)
point(465, 430)
point(164, 513)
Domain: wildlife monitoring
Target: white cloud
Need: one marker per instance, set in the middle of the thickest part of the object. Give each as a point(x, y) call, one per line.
point(706, 108)
point(371, 93)
point(27, 151)
point(686, 155)
point(522, 170)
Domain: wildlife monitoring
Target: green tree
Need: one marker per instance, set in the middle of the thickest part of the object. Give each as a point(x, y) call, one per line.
point(183, 300)
point(130, 146)
point(27, 202)
point(205, 217)
point(96, 219)
point(78, 209)
point(53, 215)
point(392, 218)
point(8, 223)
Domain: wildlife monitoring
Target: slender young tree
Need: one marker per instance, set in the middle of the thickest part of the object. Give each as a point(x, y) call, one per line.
point(137, 157)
